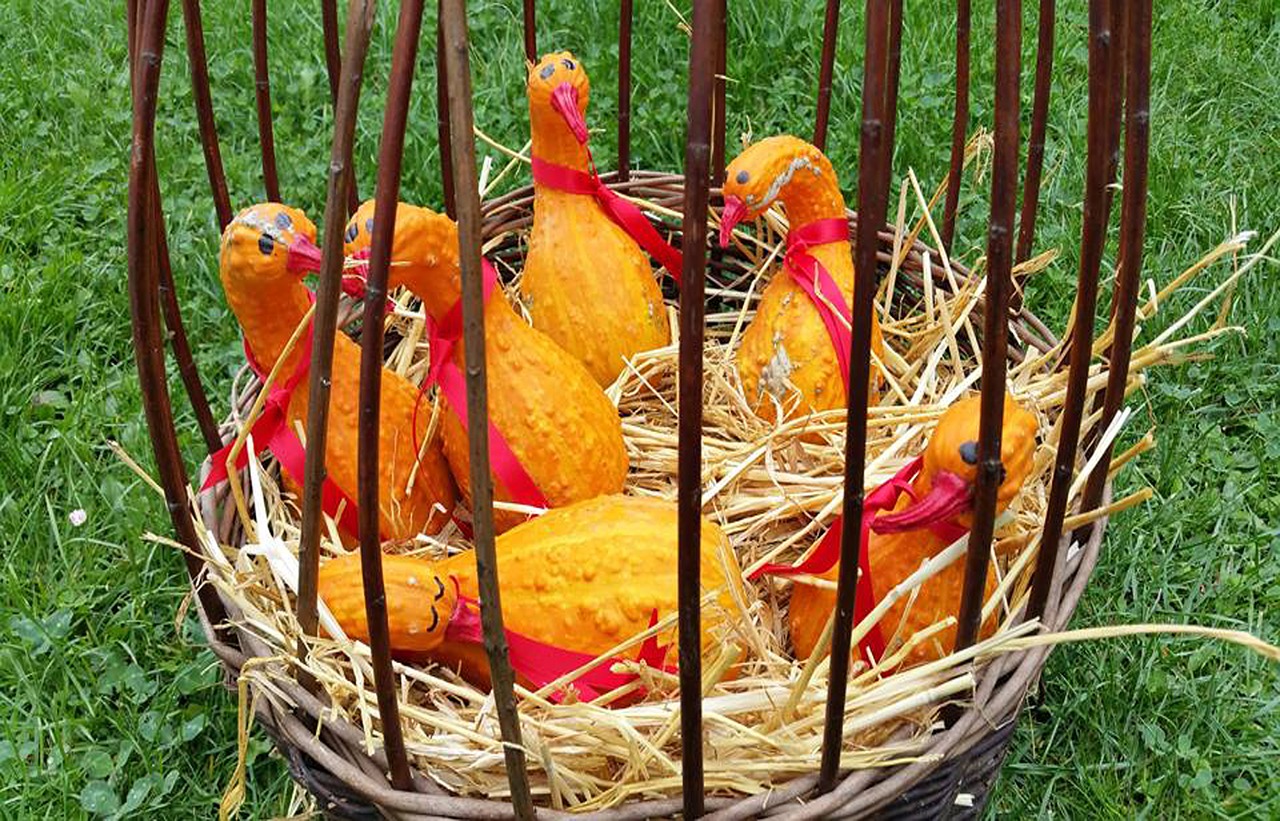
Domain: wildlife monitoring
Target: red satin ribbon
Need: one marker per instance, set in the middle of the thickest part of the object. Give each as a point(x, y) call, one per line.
point(815, 280)
point(622, 212)
point(443, 337)
point(272, 432)
point(827, 553)
point(540, 663)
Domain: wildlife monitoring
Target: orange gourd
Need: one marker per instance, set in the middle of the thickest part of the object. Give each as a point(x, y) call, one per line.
point(268, 297)
point(557, 421)
point(584, 578)
point(786, 358)
point(587, 284)
point(894, 556)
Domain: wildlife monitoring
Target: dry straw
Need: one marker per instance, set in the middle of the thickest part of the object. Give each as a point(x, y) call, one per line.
point(774, 490)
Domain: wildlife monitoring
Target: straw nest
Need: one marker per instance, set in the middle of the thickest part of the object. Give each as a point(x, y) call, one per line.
point(773, 492)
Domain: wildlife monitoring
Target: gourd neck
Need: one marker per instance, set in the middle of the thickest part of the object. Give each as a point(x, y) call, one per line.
point(809, 199)
point(268, 316)
point(553, 142)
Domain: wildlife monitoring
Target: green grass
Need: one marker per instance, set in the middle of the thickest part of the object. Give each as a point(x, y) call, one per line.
point(107, 707)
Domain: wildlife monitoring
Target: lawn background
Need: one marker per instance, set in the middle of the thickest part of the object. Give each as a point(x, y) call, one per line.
point(108, 707)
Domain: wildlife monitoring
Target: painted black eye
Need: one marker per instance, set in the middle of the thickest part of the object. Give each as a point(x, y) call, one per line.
point(368, 225)
point(353, 231)
point(742, 177)
point(283, 221)
point(266, 244)
point(547, 71)
point(567, 64)
point(969, 452)
point(439, 584)
point(435, 621)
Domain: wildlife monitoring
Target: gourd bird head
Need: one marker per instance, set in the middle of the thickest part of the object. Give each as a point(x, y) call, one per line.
point(950, 468)
point(429, 633)
point(266, 243)
point(558, 95)
point(778, 168)
point(424, 254)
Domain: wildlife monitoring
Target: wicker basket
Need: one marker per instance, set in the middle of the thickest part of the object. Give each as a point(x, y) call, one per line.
point(958, 765)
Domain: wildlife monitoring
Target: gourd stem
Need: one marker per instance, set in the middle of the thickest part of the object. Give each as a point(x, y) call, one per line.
point(1093, 237)
point(469, 219)
point(390, 157)
point(873, 156)
point(359, 26)
point(995, 328)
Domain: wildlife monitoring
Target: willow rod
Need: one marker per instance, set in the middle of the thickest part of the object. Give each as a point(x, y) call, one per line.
point(1039, 127)
point(873, 155)
point(626, 15)
point(826, 68)
point(697, 159)
point(390, 157)
point(203, 99)
point(146, 36)
point(959, 124)
point(461, 123)
point(1093, 237)
point(995, 334)
point(359, 26)
point(1133, 221)
point(262, 94)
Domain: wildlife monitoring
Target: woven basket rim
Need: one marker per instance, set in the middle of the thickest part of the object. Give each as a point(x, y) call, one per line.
point(333, 765)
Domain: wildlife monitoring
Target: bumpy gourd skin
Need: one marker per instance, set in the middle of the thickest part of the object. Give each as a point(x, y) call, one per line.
point(786, 356)
point(587, 284)
point(583, 577)
point(270, 301)
point(894, 556)
point(555, 418)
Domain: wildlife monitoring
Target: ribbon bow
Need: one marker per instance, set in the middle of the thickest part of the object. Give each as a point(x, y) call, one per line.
point(827, 553)
point(815, 280)
point(625, 215)
point(540, 663)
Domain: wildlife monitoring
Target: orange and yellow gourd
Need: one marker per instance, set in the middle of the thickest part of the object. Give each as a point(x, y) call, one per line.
point(270, 300)
point(583, 578)
point(786, 356)
point(586, 283)
point(893, 557)
point(555, 418)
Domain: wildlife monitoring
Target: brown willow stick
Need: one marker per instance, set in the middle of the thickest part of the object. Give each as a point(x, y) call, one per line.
point(1035, 144)
point(359, 26)
point(204, 111)
point(719, 93)
point(959, 124)
point(462, 125)
point(530, 33)
point(390, 157)
point(1133, 221)
point(146, 35)
point(702, 54)
point(442, 117)
point(891, 87)
point(830, 36)
point(333, 68)
point(626, 15)
point(995, 336)
point(176, 329)
point(1116, 67)
point(873, 156)
point(262, 92)
point(1092, 239)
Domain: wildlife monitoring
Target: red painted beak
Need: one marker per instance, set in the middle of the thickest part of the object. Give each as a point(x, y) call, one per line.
point(564, 99)
point(354, 279)
point(735, 211)
point(949, 497)
point(304, 256)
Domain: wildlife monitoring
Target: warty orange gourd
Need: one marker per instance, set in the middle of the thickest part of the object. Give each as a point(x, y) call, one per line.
point(787, 357)
point(583, 578)
point(587, 284)
point(557, 421)
point(943, 495)
point(266, 250)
